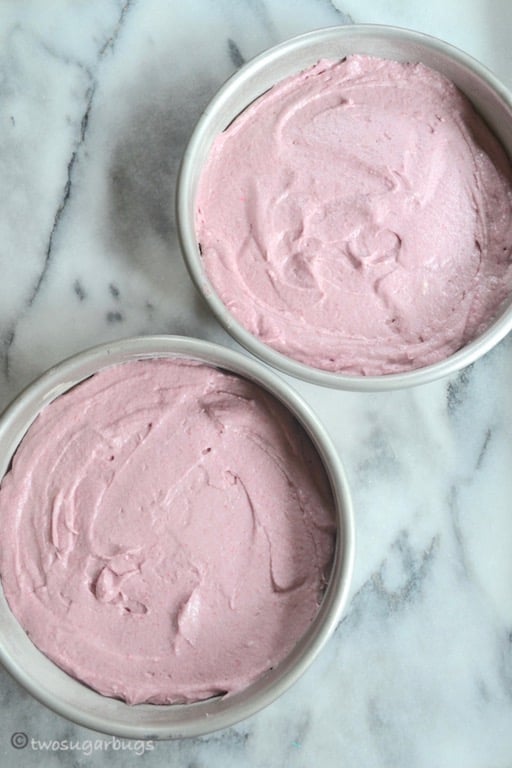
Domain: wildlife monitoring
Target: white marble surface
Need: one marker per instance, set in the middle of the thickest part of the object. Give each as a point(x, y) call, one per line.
point(96, 102)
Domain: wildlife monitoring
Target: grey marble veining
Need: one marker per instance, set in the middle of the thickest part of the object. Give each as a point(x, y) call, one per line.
point(97, 101)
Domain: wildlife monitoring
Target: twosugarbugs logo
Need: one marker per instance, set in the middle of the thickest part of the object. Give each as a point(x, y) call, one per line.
point(20, 740)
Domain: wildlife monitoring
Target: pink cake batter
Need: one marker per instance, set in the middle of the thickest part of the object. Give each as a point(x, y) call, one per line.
point(358, 217)
point(167, 532)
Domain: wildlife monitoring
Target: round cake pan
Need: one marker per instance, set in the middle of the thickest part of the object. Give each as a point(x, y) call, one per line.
point(75, 701)
point(489, 96)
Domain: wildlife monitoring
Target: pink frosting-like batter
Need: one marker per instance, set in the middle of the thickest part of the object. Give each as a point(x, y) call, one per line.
point(167, 532)
point(358, 217)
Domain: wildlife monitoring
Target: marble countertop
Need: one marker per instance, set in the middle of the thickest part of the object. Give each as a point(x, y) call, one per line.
point(97, 100)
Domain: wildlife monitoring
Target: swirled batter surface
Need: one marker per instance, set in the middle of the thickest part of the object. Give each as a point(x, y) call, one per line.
point(167, 531)
point(358, 217)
